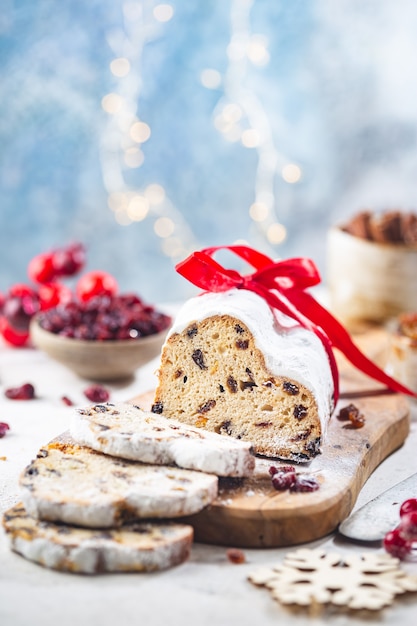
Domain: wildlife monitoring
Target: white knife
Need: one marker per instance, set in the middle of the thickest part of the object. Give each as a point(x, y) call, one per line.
point(373, 520)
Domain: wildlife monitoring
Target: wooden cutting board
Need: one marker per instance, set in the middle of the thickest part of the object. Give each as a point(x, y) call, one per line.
point(250, 513)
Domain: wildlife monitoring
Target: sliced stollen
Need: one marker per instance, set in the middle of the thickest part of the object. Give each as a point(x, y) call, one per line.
point(124, 430)
point(76, 485)
point(138, 547)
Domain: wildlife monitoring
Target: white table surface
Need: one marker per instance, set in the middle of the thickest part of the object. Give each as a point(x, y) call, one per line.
point(205, 590)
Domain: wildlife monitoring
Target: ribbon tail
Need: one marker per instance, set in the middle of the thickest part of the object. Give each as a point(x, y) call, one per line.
point(341, 340)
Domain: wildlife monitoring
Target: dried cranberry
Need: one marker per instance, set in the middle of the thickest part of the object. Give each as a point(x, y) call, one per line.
point(24, 392)
point(304, 484)
point(97, 393)
point(104, 318)
point(67, 401)
point(285, 477)
point(3, 429)
point(283, 480)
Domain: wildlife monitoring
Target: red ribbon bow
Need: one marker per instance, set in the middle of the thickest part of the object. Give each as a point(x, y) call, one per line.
point(282, 284)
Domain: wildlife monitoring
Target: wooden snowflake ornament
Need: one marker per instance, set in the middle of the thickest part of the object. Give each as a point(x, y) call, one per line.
point(306, 577)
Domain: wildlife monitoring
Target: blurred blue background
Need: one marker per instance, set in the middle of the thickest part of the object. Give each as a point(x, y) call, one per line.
point(149, 129)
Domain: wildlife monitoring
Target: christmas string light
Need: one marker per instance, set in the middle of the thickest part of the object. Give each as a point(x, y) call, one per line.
point(239, 116)
point(126, 133)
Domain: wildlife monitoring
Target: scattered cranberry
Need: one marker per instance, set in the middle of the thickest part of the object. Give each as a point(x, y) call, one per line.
point(96, 283)
point(285, 477)
point(396, 544)
point(41, 269)
point(304, 484)
point(408, 506)
point(408, 525)
point(281, 481)
point(235, 556)
point(67, 401)
point(24, 392)
point(97, 394)
point(3, 429)
point(401, 541)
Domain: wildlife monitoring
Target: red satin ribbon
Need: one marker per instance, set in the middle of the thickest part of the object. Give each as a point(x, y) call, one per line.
point(282, 284)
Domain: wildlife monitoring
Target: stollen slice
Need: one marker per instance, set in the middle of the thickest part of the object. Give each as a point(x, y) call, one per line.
point(124, 430)
point(137, 547)
point(76, 485)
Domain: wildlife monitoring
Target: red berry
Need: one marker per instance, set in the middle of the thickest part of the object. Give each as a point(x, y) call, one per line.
point(19, 309)
point(12, 336)
point(396, 544)
point(24, 392)
point(67, 401)
point(41, 269)
point(69, 260)
point(96, 283)
point(408, 506)
point(53, 294)
point(408, 525)
point(97, 393)
point(3, 429)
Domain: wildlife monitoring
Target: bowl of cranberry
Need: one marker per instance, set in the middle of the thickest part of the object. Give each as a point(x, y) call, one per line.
point(107, 337)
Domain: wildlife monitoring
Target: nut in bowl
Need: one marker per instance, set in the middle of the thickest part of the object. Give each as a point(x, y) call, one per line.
point(104, 339)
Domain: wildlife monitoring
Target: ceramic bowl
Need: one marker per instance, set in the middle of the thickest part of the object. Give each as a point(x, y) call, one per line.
point(98, 360)
point(369, 281)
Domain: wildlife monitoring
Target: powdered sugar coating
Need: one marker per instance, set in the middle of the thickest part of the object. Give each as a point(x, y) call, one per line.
point(126, 431)
point(135, 547)
point(289, 350)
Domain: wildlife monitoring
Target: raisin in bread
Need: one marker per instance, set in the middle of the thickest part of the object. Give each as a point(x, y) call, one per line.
point(138, 547)
point(126, 431)
point(232, 365)
point(76, 485)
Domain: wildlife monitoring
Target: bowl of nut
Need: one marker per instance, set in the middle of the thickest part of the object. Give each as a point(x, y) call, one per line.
point(104, 337)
